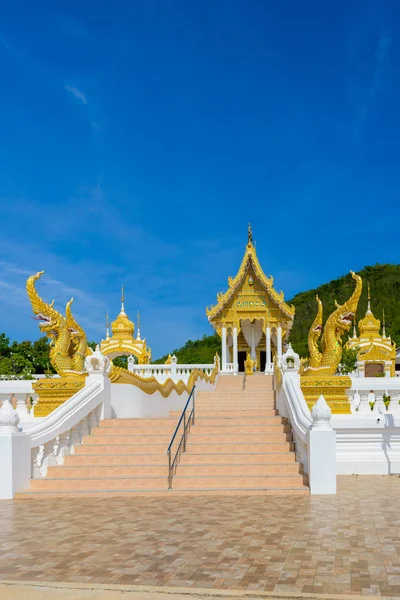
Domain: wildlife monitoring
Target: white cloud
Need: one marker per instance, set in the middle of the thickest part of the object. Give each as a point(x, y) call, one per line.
point(77, 93)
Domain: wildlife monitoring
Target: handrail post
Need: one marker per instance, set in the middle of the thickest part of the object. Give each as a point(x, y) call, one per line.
point(169, 470)
point(194, 397)
point(187, 422)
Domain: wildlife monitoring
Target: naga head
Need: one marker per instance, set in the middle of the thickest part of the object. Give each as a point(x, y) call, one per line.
point(316, 327)
point(72, 325)
point(50, 320)
point(346, 312)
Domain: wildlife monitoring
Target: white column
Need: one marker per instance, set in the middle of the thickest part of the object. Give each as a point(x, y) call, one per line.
point(279, 343)
point(235, 351)
point(223, 336)
point(253, 345)
point(268, 349)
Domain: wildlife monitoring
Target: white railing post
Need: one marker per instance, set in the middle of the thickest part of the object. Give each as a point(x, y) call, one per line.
point(98, 367)
point(22, 408)
point(364, 407)
point(15, 454)
point(394, 406)
point(322, 450)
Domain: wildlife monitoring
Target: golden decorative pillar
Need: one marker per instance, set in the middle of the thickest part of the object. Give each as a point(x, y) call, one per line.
point(52, 392)
point(333, 388)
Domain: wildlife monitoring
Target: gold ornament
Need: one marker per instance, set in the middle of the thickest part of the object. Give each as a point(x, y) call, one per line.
point(68, 347)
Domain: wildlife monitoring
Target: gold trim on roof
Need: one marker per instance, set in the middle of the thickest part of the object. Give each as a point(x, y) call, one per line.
point(250, 257)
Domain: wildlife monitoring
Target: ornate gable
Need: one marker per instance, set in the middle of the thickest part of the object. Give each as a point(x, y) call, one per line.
point(250, 291)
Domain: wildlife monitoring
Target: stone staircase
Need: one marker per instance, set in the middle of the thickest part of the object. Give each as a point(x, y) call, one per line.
point(238, 445)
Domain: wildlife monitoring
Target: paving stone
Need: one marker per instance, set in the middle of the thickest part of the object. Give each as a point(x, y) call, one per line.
point(348, 544)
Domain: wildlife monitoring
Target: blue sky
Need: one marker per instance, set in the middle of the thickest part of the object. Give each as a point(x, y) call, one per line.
point(139, 138)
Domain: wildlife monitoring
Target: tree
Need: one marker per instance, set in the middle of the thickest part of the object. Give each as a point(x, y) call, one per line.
point(4, 345)
point(121, 361)
point(349, 360)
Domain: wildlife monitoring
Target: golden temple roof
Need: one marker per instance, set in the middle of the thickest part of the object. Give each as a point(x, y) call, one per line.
point(122, 340)
point(122, 327)
point(369, 326)
point(250, 259)
point(372, 345)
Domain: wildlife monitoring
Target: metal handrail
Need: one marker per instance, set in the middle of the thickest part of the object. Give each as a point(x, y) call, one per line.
point(187, 423)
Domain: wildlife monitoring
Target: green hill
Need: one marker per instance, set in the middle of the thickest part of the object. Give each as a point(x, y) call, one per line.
point(384, 281)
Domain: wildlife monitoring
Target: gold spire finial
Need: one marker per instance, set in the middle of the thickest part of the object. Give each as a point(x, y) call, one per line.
point(107, 327)
point(369, 300)
point(122, 299)
point(249, 234)
point(383, 323)
point(138, 326)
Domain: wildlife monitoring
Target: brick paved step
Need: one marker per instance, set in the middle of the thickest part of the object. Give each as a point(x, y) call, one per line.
point(235, 400)
point(242, 448)
point(239, 457)
point(217, 412)
point(236, 395)
point(139, 448)
point(196, 437)
point(148, 439)
point(243, 420)
point(229, 383)
point(247, 468)
point(225, 429)
point(231, 409)
point(136, 431)
point(264, 405)
point(238, 481)
point(140, 422)
point(161, 492)
point(103, 471)
point(115, 459)
point(100, 483)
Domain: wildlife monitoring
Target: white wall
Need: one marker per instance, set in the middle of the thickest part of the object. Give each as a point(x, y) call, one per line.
point(129, 401)
point(367, 444)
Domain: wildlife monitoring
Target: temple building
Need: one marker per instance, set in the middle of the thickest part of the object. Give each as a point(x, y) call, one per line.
point(376, 351)
point(122, 342)
point(251, 317)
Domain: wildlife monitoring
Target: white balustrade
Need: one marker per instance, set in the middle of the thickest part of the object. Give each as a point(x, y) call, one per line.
point(46, 443)
point(374, 394)
point(173, 371)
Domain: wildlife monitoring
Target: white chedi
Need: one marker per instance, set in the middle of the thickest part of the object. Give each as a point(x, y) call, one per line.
point(321, 414)
point(9, 418)
point(290, 360)
point(97, 363)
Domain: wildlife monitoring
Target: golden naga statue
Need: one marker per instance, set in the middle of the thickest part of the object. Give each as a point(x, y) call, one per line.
point(313, 337)
point(69, 346)
point(327, 360)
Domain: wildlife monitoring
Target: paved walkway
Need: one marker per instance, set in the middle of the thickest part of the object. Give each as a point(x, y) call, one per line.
point(343, 544)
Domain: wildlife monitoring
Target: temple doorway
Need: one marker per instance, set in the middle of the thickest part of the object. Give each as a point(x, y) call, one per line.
point(241, 360)
point(263, 358)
